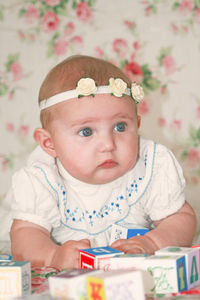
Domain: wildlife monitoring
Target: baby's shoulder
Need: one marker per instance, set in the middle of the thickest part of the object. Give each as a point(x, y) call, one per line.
point(40, 167)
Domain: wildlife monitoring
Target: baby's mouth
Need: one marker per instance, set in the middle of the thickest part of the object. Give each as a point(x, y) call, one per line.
point(109, 163)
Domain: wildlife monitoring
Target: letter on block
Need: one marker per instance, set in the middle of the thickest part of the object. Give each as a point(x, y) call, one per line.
point(125, 261)
point(192, 262)
point(115, 284)
point(96, 258)
point(163, 274)
point(70, 284)
point(15, 279)
point(119, 232)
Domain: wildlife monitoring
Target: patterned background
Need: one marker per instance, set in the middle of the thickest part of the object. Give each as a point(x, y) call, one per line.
point(156, 42)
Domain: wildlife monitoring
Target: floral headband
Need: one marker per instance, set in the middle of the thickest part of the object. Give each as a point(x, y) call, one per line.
point(87, 87)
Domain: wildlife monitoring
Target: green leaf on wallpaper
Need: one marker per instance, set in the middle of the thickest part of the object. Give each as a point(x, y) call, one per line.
point(1, 13)
point(74, 4)
point(51, 44)
point(11, 58)
point(21, 12)
point(163, 53)
point(196, 3)
point(91, 2)
point(62, 11)
point(194, 136)
point(151, 83)
point(184, 155)
point(147, 72)
point(10, 160)
point(3, 89)
point(175, 5)
point(153, 9)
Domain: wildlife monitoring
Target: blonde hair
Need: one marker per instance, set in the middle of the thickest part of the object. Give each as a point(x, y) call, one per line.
point(65, 75)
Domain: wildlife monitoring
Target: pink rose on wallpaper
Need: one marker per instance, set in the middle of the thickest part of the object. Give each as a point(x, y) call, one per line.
point(83, 12)
point(32, 14)
point(186, 6)
point(120, 46)
point(176, 125)
point(129, 24)
point(197, 16)
point(168, 64)
point(198, 112)
point(16, 70)
point(174, 27)
point(134, 71)
point(143, 108)
point(148, 11)
point(4, 163)
point(52, 2)
point(50, 22)
point(23, 130)
point(193, 157)
point(69, 28)
point(161, 122)
point(61, 46)
point(10, 127)
point(136, 45)
point(77, 40)
point(99, 52)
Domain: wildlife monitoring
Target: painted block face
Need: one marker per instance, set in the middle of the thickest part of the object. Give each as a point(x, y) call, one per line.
point(15, 279)
point(192, 262)
point(70, 284)
point(5, 257)
point(169, 273)
point(119, 232)
point(163, 274)
point(96, 258)
point(125, 261)
point(116, 285)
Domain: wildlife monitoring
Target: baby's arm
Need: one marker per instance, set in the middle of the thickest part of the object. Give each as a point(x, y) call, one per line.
point(33, 243)
point(177, 229)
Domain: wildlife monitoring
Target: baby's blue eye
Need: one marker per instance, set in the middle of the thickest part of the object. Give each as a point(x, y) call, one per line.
point(85, 132)
point(120, 127)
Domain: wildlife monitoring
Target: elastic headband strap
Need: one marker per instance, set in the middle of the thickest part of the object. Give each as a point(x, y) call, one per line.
point(58, 98)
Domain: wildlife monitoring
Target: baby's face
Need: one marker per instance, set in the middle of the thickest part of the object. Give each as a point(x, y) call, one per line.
point(96, 138)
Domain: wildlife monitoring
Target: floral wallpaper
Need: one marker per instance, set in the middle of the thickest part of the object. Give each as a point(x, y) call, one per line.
point(155, 42)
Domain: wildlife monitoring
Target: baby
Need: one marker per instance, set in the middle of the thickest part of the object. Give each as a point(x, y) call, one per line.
point(91, 170)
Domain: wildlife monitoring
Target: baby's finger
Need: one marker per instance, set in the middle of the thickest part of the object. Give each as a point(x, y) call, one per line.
point(85, 242)
point(118, 243)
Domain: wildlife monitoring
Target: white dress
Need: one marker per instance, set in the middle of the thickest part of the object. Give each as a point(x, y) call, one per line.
point(45, 194)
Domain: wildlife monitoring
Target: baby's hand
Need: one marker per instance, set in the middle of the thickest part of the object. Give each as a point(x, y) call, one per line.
point(136, 244)
point(66, 256)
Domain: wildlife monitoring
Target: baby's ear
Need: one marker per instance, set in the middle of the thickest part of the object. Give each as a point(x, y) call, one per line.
point(43, 138)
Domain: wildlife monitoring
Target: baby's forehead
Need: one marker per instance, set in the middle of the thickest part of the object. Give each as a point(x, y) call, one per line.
point(100, 106)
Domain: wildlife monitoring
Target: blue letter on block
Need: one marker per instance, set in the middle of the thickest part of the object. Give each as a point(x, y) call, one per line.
point(133, 232)
point(181, 274)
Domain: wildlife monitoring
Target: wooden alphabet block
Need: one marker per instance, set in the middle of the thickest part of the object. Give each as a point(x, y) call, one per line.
point(95, 258)
point(163, 274)
point(124, 261)
point(192, 262)
point(70, 284)
point(15, 279)
point(119, 232)
point(5, 257)
point(116, 285)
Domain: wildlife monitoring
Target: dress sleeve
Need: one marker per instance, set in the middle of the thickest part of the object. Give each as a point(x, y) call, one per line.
point(166, 191)
point(32, 201)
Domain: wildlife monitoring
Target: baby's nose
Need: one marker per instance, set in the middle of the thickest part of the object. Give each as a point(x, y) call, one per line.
point(107, 142)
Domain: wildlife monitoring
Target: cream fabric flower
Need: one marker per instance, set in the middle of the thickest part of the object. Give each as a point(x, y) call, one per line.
point(118, 87)
point(137, 92)
point(86, 87)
